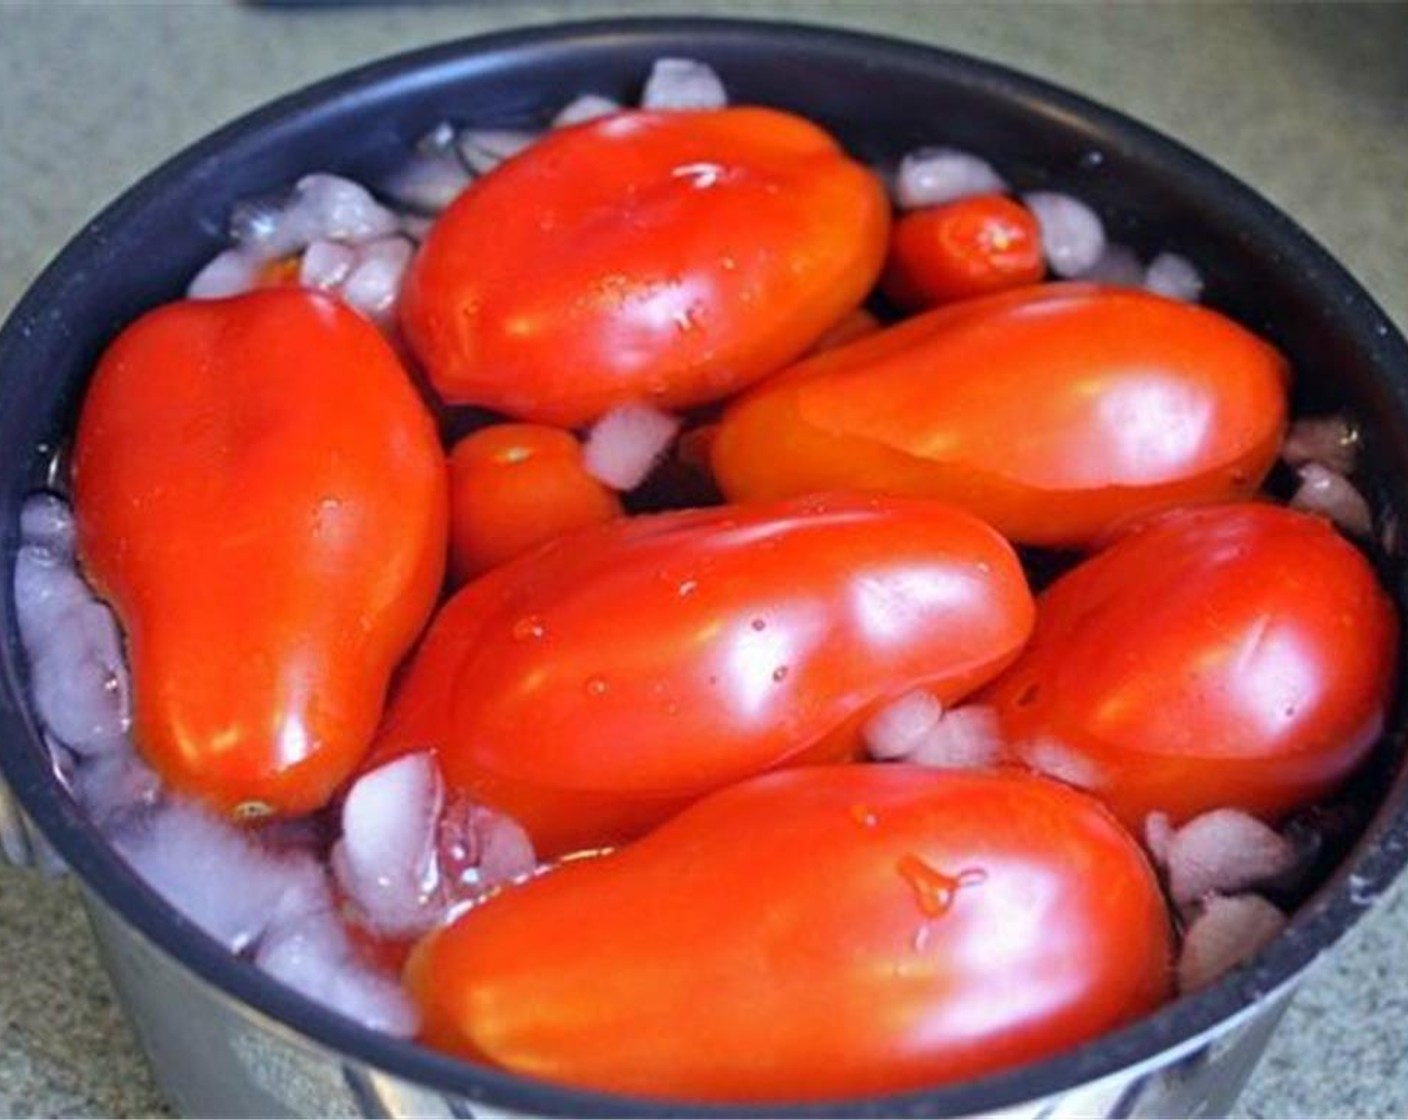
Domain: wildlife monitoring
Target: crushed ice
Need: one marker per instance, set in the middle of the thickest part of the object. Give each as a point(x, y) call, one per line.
point(410, 856)
point(268, 899)
point(934, 176)
point(1228, 931)
point(1222, 852)
point(1331, 495)
point(625, 445)
point(683, 83)
point(1332, 441)
point(1072, 234)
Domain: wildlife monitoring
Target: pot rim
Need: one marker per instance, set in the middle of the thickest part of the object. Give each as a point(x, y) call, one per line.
point(1372, 865)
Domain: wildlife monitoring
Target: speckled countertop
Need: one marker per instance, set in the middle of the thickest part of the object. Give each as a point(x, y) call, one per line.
point(1308, 103)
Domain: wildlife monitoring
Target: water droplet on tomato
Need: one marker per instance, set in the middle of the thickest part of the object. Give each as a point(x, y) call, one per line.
point(511, 456)
point(596, 686)
point(779, 674)
point(701, 175)
point(864, 815)
point(529, 628)
point(934, 890)
point(687, 587)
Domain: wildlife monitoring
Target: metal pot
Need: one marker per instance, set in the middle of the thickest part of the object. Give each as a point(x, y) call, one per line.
point(226, 1040)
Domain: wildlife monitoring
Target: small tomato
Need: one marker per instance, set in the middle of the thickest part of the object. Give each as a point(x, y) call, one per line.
point(970, 247)
point(514, 486)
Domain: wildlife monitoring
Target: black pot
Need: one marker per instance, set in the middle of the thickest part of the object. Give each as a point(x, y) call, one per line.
point(227, 1040)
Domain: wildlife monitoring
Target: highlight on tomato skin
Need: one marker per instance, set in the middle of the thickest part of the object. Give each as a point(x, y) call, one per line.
point(816, 933)
point(1055, 412)
point(1230, 656)
point(664, 257)
point(602, 682)
point(516, 486)
point(219, 441)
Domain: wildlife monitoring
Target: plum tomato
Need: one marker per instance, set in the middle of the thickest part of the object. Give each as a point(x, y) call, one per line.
point(261, 496)
point(514, 486)
point(1054, 412)
point(596, 685)
point(1222, 656)
point(820, 932)
point(664, 257)
point(970, 247)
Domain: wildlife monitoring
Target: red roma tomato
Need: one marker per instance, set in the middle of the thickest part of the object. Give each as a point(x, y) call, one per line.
point(598, 684)
point(1238, 655)
point(261, 496)
point(1053, 412)
point(966, 248)
point(820, 932)
point(671, 257)
point(514, 486)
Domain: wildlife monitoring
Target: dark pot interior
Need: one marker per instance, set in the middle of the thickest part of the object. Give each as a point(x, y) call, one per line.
point(881, 97)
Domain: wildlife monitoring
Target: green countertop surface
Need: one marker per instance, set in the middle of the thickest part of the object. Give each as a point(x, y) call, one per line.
point(1308, 103)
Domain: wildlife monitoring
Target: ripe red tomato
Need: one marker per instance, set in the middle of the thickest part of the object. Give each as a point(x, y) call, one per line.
point(261, 496)
point(967, 248)
point(1239, 655)
point(514, 486)
point(669, 257)
point(820, 932)
point(596, 685)
point(1053, 412)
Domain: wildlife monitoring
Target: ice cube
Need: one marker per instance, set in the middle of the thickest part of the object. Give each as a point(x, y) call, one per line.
point(1224, 851)
point(683, 83)
point(385, 859)
point(1072, 235)
point(896, 729)
point(966, 738)
point(624, 446)
point(934, 176)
